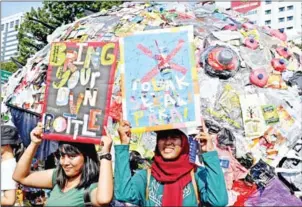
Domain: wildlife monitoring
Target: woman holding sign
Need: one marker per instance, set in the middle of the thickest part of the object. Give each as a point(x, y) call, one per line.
point(79, 178)
point(172, 180)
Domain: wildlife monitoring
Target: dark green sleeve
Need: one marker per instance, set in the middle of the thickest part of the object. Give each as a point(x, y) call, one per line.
point(128, 188)
point(210, 181)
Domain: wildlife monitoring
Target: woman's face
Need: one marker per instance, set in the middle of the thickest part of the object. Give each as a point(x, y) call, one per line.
point(169, 147)
point(72, 164)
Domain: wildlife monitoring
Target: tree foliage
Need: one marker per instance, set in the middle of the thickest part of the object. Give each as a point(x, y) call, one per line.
point(39, 23)
point(8, 66)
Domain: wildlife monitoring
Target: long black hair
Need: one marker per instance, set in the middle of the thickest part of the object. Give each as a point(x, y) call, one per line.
point(90, 170)
point(18, 150)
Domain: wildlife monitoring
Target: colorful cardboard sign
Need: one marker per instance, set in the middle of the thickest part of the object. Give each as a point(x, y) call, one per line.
point(159, 80)
point(79, 84)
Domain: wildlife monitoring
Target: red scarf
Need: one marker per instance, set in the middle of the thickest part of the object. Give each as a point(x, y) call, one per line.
point(175, 175)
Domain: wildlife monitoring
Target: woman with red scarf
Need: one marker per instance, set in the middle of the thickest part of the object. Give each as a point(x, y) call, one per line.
point(172, 180)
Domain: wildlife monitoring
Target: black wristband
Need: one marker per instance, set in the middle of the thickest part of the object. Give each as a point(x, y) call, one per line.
point(106, 156)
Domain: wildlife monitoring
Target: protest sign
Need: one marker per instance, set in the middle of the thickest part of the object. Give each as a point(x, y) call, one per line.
point(79, 85)
point(159, 80)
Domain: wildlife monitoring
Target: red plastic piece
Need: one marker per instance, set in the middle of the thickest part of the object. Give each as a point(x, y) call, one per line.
point(278, 64)
point(215, 64)
point(245, 190)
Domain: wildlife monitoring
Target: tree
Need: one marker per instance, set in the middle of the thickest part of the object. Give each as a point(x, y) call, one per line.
point(32, 35)
point(8, 66)
point(38, 24)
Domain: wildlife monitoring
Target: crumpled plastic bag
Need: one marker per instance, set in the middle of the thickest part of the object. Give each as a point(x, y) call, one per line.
point(291, 165)
point(274, 194)
point(227, 139)
point(246, 160)
point(296, 79)
point(244, 189)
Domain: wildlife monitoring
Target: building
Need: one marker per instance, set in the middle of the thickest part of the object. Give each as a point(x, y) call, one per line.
point(9, 42)
point(278, 15)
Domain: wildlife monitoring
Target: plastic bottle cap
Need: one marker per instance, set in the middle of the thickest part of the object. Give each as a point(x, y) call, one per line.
point(260, 76)
point(225, 56)
point(161, 9)
point(281, 61)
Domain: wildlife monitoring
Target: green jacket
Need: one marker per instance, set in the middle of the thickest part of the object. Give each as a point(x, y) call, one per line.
point(132, 189)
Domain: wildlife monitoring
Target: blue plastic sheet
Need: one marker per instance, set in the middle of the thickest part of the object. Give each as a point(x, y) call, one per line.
point(25, 122)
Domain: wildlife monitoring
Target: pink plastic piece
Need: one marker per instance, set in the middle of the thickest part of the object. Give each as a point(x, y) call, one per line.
point(251, 43)
point(279, 34)
point(283, 51)
point(231, 27)
point(259, 77)
point(267, 29)
point(248, 26)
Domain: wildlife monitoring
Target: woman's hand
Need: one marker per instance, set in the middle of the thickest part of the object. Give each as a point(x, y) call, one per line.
point(124, 132)
point(36, 134)
point(106, 141)
point(205, 139)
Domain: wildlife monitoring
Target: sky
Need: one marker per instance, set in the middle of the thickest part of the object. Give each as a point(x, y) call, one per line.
point(10, 8)
point(224, 4)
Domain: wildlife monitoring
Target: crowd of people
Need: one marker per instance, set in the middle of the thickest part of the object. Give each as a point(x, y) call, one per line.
point(84, 178)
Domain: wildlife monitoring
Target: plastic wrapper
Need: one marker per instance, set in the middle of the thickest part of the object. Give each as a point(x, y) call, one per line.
point(261, 173)
point(226, 108)
point(259, 58)
point(227, 139)
point(274, 194)
point(244, 189)
point(227, 35)
point(231, 168)
point(246, 160)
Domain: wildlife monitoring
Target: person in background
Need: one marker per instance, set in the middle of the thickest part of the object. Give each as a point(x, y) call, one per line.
point(80, 178)
point(10, 150)
point(172, 179)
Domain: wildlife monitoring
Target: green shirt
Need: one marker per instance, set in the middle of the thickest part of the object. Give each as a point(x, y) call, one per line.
point(73, 197)
point(132, 189)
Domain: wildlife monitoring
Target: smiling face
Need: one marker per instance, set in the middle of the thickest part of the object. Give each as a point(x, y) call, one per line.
point(169, 145)
point(72, 164)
